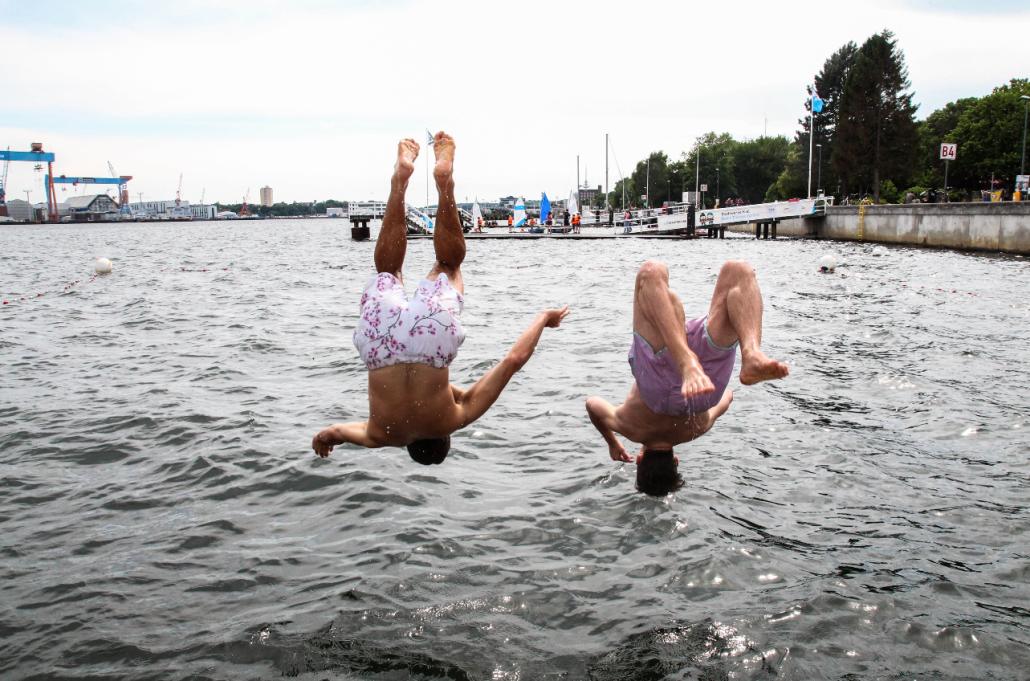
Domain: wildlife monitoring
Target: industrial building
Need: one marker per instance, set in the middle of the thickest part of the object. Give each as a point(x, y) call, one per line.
point(88, 208)
point(172, 210)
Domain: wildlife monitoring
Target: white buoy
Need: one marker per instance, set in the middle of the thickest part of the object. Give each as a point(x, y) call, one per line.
point(102, 266)
point(827, 263)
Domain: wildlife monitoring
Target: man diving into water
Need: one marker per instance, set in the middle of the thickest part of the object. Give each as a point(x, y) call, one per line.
point(681, 369)
point(408, 345)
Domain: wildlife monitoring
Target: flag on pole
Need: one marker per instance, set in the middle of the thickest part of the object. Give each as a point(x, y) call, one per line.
point(817, 103)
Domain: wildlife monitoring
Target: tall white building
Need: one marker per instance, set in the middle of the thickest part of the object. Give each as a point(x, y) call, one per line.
point(266, 196)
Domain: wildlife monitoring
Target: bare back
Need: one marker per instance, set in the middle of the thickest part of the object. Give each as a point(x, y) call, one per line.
point(409, 402)
point(635, 421)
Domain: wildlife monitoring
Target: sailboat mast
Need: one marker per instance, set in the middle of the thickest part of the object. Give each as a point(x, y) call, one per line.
point(577, 182)
point(606, 171)
point(647, 185)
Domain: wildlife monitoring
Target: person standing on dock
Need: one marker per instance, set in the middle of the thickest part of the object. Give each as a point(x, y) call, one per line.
point(408, 345)
point(681, 369)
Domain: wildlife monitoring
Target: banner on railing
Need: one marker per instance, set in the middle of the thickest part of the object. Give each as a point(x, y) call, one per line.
point(759, 212)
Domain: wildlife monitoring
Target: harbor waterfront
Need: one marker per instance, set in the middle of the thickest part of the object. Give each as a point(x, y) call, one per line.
point(164, 517)
point(967, 226)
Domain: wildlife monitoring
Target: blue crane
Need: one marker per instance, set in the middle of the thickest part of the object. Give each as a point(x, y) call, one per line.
point(3, 180)
point(37, 155)
point(120, 181)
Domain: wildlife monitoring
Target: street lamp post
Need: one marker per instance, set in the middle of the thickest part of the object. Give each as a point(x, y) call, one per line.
point(815, 106)
point(718, 193)
point(819, 172)
point(697, 177)
point(1026, 107)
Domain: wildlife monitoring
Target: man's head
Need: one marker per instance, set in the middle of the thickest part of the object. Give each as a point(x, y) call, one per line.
point(658, 472)
point(428, 452)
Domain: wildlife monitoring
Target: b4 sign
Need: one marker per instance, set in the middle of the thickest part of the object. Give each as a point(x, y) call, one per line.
point(948, 151)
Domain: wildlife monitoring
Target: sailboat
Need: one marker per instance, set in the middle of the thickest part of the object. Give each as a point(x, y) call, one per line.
point(477, 216)
point(520, 212)
point(545, 210)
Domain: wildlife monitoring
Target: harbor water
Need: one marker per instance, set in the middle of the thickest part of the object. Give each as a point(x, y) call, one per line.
point(163, 515)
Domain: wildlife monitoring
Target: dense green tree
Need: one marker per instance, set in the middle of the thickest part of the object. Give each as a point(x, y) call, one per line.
point(651, 178)
point(937, 128)
point(624, 194)
point(829, 85)
point(790, 183)
point(876, 136)
point(989, 134)
point(717, 168)
point(757, 164)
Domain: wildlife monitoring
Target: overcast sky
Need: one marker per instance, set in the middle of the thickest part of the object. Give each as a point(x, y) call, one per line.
point(311, 97)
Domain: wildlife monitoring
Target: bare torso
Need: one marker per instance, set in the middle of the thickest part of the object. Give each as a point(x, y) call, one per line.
point(409, 402)
point(636, 422)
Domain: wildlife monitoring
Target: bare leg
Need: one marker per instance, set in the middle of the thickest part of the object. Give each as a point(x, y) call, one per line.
point(658, 317)
point(448, 239)
point(736, 315)
point(393, 237)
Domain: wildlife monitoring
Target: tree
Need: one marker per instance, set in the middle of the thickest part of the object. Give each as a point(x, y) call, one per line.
point(789, 183)
point(989, 134)
point(829, 85)
point(937, 128)
point(717, 152)
point(651, 177)
point(624, 188)
point(757, 164)
point(876, 137)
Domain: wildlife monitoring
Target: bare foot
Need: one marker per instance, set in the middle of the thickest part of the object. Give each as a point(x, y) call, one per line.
point(696, 382)
point(407, 152)
point(443, 147)
point(756, 367)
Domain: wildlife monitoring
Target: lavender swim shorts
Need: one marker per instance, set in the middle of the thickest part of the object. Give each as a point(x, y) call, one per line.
point(660, 383)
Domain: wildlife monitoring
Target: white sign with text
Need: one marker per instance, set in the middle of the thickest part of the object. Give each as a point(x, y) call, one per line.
point(949, 151)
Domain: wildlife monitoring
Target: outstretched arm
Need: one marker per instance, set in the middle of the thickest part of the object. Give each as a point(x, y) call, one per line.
point(481, 396)
point(339, 434)
point(602, 415)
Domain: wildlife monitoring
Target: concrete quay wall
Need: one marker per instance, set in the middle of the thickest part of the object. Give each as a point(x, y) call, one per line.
point(972, 226)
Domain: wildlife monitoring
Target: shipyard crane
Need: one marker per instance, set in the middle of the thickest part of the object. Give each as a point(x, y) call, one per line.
point(39, 157)
point(178, 193)
point(245, 210)
point(123, 189)
point(3, 179)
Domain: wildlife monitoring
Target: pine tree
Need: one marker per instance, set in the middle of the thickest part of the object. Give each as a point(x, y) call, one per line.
point(876, 135)
point(829, 85)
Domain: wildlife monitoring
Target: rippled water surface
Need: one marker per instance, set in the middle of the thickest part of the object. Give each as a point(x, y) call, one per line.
point(163, 516)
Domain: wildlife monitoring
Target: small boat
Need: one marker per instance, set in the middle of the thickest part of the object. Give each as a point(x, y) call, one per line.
point(520, 213)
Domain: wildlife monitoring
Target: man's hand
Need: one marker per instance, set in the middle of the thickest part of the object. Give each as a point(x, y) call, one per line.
point(324, 441)
point(695, 382)
point(619, 453)
point(340, 434)
point(552, 318)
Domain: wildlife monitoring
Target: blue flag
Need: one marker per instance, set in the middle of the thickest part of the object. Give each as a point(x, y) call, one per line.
point(817, 104)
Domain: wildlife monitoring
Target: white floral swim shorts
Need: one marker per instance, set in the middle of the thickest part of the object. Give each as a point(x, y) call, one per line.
point(424, 330)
